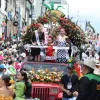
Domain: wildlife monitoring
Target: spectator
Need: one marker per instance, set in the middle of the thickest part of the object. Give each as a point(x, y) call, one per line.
point(11, 69)
point(1, 69)
point(28, 89)
point(5, 92)
point(20, 87)
point(69, 81)
point(88, 83)
point(23, 87)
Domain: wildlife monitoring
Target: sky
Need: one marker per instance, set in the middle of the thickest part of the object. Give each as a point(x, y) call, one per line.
point(84, 10)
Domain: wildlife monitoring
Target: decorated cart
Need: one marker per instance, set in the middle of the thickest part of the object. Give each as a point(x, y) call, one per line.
point(46, 76)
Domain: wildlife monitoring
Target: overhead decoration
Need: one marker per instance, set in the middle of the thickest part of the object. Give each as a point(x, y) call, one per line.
point(43, 20)
point(52, 13)
point(72, 30)
point(51, 6)
point(29, 33)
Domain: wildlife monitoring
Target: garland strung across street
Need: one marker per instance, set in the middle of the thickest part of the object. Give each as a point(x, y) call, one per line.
point(56, 20)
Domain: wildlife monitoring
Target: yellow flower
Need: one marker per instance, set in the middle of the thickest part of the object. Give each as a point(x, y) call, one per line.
point(47, 70)
point(53, 77)
point(41, 79)
point(54, 69)
point(11, 82)
point(37, 76)
point(33, 70)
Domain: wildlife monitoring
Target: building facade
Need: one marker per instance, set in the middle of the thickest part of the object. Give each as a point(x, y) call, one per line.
point(3, 17)
point(21, 12)
point(39, 9)
point(11, 29)
point(29, 6)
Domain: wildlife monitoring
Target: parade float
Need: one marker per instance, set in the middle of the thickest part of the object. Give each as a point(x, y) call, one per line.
point(45, 81)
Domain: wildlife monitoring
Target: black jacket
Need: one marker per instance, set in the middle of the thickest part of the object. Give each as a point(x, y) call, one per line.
point(65, 80)
point(88, 87)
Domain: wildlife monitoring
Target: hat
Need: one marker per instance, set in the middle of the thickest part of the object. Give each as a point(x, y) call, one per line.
point(70, 65)
point(90, 63)
point(88, 48)
point(1, 66)
point(1, 52)
point(98, 64)
point(80, 62)
point(23, 55)
point(97, 69)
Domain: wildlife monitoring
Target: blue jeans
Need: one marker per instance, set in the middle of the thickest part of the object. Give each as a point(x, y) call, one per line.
point(73, 98)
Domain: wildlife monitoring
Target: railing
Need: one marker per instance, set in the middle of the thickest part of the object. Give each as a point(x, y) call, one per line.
point(41, 92)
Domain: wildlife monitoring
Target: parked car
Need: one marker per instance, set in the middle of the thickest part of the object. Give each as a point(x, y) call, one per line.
point(42, 89)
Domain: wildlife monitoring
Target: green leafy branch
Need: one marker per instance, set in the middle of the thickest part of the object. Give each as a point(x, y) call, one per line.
point(51, 6)
point(89, 25)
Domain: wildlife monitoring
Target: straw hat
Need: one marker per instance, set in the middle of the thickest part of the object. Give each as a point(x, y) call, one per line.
point(90, 63)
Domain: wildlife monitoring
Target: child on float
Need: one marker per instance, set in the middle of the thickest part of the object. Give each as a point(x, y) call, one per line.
point(49, 52)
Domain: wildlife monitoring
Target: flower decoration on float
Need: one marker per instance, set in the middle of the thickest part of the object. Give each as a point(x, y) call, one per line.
point(55, 17)
point(45, 76)
point(26, 38)
point(43, 20)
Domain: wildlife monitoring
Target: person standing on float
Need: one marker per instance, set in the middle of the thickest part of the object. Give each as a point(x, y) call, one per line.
point(37, 39)
point(62, 55)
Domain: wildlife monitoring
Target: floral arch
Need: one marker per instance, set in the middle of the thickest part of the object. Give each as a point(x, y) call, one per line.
point(57, 20)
